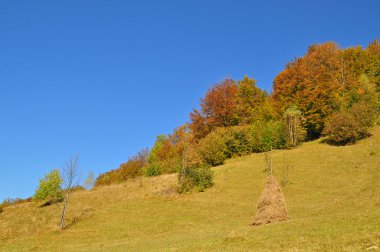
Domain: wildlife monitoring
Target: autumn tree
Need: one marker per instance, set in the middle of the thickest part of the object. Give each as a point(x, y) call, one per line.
point(218, 109)
point(252, 104)
point(327, 79)
point(311, 83)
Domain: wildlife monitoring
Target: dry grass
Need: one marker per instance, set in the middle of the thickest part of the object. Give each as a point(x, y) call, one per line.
point(332, 197)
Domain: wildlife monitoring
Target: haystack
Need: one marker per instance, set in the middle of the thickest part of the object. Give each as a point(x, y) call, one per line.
point(271, 207)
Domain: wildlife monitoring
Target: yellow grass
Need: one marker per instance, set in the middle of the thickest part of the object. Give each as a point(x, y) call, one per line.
point(333, 199)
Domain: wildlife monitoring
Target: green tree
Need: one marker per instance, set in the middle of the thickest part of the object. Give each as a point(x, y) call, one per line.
point(213, 148)
point(154, 168)
point(49, 190)
point(252, 104)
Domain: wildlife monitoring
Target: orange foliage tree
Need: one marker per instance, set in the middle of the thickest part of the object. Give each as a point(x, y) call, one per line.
point(217, 109)
point(327, 79)
point(316, 83)
point(229, 104)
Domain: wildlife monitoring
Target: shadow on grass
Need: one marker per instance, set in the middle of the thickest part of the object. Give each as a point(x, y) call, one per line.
point(346, 142)
point(85, 214)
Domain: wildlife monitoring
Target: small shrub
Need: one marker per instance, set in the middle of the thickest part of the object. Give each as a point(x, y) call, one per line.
point(132, 168)
point(348, 126)
point(152, 170)
point(108, 178)
point(342, 128)
point(168, 165)
point(103, 179)
point(49, 190)
point(195, 177)
point(224, 143)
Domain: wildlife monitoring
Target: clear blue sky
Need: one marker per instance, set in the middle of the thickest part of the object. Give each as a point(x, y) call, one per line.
point(101, 79)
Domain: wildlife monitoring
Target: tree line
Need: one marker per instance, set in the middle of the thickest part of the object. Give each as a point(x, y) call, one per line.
point(329, 91)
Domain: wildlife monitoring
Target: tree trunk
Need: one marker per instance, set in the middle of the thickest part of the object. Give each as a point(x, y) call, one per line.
point(65, 203)
point(63, 215)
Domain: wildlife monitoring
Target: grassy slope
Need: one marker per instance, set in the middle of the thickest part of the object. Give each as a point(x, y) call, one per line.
point(333, 200)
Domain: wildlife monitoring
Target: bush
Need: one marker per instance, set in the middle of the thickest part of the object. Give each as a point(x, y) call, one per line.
point(342, 128)
point(173, 164)
point(267, 136)
point(213, 148)
point(152, 170)
point(167, 165)
point(238, 141)
point(348, 126)
point(132, 168)
point(195, 177)
point(224, 143)
point(364, 114)
point(108, 178)
point(49, 190)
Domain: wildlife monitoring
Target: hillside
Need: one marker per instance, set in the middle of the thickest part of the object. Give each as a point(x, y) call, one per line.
point(332, 197)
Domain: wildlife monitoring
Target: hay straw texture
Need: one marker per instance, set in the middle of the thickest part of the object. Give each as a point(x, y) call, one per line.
point(271, 207)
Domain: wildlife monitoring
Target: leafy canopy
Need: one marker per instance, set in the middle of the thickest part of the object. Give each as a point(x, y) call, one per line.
point(50, 189)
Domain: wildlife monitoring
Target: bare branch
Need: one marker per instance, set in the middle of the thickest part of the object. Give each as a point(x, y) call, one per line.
point(70, 173)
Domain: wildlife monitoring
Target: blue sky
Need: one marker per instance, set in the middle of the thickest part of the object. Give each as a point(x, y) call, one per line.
point(101, 79)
